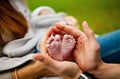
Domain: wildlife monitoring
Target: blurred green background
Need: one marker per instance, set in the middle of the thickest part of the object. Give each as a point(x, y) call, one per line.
point(103, 16)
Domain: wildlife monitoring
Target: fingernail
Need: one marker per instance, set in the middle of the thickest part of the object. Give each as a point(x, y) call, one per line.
point(85, 24)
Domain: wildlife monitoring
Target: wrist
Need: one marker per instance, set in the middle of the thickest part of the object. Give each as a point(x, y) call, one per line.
point(31, 71)
point(72, 76)
point(13, 74)
point(41, 71)
point(108, 71)
point(99, 70)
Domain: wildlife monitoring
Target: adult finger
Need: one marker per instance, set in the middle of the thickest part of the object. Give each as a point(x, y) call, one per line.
point(49, 63)
point(69, 29)
point(43, 43)
point(88, 31)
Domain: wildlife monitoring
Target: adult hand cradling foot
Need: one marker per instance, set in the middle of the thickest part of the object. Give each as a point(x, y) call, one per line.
point(86, 55)
point(86, 51)
point(63, 68)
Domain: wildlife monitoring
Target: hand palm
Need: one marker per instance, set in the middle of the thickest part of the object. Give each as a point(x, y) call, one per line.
point(85, 53)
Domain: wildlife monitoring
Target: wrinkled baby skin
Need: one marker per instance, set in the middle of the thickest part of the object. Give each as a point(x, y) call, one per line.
point(59, 47)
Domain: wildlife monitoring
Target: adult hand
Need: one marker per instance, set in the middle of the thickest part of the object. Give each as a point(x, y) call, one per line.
point(86, 52)
point(66, 69)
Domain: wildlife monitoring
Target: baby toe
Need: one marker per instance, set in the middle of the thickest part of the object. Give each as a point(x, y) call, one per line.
point(57, 37)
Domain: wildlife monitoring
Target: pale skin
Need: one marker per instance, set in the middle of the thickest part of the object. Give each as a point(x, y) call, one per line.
point(70, 20)
point(86, 54)
point(45, 12)
point(65, 69)
point(39, 69)
point(60, 47)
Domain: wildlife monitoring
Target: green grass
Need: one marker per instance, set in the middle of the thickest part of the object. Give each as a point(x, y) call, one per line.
point(103, 16)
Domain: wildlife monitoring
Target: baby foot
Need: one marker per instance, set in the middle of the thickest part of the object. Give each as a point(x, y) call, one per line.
point(68, 44)
point(58, 49)
point(54, 47)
